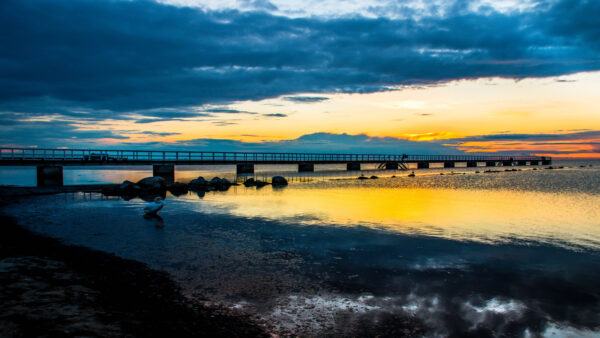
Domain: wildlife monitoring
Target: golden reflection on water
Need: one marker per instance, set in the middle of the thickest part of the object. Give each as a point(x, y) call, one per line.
point(566, 219)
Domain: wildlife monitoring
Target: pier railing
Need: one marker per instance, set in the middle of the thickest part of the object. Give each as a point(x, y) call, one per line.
point(95, 155)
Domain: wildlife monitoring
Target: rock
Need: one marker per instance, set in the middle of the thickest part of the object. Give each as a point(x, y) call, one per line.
point(155, 183)
point(362, 177)
point(260, 184)
point(129, 188)
point(279, 181)
point(178, 188)
point(219, 183)
point(250, 182)
point(198, 183)
point(374, 177)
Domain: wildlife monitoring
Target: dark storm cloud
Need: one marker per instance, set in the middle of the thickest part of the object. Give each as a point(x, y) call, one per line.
point(115, 57)
point(306, 99)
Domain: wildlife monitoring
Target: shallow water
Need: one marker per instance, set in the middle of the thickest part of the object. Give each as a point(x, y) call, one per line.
point(508, 253)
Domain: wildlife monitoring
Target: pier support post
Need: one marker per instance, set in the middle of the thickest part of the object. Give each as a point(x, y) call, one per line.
point(49, 176)
point(244, 168)
point(306, 167)
point(449, 164)
point(507, 163)
point(471, 164)
point(490, 163)
point(422, 165)
point(391, 166)
point(546, 162)
point(521, 162)
point(166, 171)
point(534, 162)
point(352, 166)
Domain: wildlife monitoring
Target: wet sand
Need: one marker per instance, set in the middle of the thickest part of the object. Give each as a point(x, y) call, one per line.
point(50, 289)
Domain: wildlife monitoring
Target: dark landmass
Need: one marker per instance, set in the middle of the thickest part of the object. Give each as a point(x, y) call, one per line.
point(55, 290)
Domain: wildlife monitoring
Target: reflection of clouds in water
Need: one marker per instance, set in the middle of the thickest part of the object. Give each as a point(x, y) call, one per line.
point(299, 313)
point(565, 331)
point(508, 310)
point(428, 263)
point(332, 313)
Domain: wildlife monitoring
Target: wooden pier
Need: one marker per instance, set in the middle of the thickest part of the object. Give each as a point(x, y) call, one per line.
point(49, 162)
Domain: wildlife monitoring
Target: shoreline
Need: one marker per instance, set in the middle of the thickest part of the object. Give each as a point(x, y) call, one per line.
point(49, 288)
point(8, 191)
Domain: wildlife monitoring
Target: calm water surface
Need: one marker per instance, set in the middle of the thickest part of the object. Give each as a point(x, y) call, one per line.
point(508, 253)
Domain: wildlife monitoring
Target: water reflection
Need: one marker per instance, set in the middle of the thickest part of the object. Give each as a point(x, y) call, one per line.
point(568, 219)
point(502, 254)
point(342, 280)
point(156, 220)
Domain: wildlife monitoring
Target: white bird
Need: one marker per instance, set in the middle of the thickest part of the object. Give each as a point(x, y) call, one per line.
point(153, 207)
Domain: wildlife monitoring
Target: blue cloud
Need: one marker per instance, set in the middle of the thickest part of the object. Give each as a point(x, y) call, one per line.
point(97, 56)
point(313, 143)
point(54, 134)
point(306, 99)
point(275, 115)
point(228, 111)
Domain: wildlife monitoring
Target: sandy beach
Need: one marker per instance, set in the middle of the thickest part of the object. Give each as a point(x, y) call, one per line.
point(51, 289)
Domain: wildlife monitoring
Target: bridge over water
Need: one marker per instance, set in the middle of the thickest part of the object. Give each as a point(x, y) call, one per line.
point(49, 162)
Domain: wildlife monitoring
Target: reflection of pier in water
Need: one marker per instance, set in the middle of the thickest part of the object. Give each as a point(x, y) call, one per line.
point(50, 162)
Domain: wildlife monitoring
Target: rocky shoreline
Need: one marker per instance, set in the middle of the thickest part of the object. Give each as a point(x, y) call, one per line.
point(151, 187)
point(52, 289)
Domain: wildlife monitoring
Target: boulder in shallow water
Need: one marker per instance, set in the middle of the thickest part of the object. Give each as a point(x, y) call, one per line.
point(198, 183)
point(129, 188)
point(260, 184)
point(250, 182)
point(279, 181)
point(178, 188)
point(155, 183)
point(219, 183)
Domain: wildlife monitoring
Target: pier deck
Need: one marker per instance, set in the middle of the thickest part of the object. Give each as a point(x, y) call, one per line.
point(49, 162)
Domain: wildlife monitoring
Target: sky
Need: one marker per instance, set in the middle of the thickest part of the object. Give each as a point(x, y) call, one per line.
point(376, 76)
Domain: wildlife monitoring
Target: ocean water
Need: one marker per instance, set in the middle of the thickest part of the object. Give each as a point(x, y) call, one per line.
point(514, 253)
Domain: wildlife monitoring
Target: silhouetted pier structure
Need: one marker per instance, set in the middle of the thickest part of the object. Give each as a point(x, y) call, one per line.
point(49, 162)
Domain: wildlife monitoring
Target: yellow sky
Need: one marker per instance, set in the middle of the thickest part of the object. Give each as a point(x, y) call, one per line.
point(451, 110)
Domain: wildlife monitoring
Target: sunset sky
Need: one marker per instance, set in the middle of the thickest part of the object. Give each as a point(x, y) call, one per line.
point(377, 76)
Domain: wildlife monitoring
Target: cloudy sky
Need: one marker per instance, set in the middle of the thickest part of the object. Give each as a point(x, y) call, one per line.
point(387, 76)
